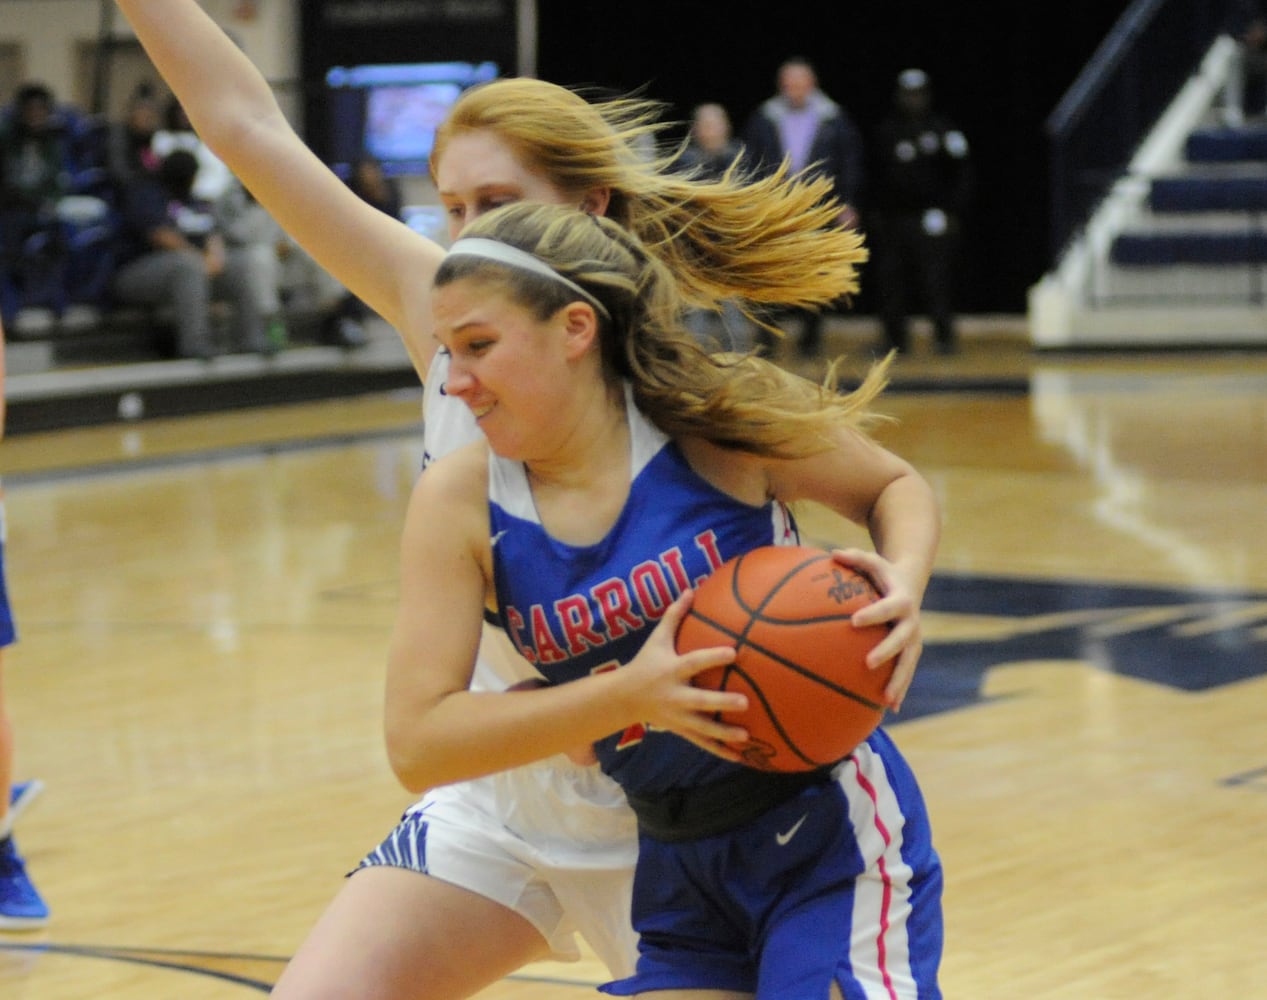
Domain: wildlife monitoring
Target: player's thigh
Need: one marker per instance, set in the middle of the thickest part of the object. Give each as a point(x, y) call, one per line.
point(389, 929)
point(598, 903)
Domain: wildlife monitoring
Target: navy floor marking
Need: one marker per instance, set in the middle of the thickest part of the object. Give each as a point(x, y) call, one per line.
point(212, 964)
point(121, 465)
point(177, 961)
point(1255, 779)
point(1186, 639)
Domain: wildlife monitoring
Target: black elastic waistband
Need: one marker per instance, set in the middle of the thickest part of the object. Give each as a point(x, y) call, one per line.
point(691, 813)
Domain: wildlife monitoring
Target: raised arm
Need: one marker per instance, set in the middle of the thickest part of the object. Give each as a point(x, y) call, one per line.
point(232, 107)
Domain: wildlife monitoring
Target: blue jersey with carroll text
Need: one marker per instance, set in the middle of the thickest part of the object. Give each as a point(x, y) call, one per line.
point(574, 610)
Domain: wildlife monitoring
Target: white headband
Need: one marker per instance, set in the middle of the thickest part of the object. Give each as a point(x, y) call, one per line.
point(504, 253)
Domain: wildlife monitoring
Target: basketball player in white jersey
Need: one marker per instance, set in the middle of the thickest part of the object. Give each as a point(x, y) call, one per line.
point(483, 883)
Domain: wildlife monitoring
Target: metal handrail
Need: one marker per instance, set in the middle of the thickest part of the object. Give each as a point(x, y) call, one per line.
point(1100, 121)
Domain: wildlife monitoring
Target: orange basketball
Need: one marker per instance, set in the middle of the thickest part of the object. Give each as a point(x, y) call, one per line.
point(802, 664)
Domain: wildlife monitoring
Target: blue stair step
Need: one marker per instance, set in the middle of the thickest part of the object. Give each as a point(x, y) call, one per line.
point(1227, 145)
point(1208, 194)
point(1157, 249)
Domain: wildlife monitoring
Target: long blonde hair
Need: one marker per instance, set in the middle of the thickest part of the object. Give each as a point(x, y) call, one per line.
point(768, 241)
point(736, 401)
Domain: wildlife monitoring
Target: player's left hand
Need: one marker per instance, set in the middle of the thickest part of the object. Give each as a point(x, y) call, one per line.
point(898, 608)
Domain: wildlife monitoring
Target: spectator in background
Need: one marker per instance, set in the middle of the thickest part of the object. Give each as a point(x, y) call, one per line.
point(1246, 91)
point(130, 143)
point(174, 255)
point(710, 151)
point(214, 179)
point(21, 907)
point(290, 286)
point(250, 231)
point(345, 325)
point(374, 186)
point(817, 137)
point(35, 176)
point(244, 225)
point(285, 278)
point(923, 183)
point(711, 148)
point(34, 152)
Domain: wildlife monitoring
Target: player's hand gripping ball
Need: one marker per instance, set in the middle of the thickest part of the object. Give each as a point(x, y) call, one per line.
point(800, 661)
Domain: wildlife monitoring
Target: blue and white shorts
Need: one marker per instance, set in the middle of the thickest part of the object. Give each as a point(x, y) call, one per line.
point(839, 883)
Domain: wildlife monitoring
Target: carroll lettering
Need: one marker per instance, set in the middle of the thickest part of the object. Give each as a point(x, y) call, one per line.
point(612, 610)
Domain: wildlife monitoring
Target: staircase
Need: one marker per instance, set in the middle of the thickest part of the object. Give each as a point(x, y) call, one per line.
point(1176, 254)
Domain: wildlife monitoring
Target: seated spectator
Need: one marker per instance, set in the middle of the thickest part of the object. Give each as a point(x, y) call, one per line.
point(214, 178)
point(343, 324)
point(35, 175)
point(291, 288)
point(246, 227)
point(250, 231)
point(130, 143)
point(34, 151)
point(173, 254)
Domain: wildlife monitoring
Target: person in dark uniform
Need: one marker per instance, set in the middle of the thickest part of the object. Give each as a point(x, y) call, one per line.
point(1245, 93)
point(922, 185)
point(818, 138)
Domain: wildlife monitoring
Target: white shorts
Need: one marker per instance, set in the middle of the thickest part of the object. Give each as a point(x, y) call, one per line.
point(552, 841)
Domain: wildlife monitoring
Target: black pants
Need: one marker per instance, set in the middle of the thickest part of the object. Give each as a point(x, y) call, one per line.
point(811, 324)
point(913, 267)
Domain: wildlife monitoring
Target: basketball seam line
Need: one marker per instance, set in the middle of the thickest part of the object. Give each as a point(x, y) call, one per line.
point(742, 640)
point(776, 722)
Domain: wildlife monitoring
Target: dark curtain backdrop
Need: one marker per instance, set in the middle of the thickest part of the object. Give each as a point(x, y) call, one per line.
point(998, 68)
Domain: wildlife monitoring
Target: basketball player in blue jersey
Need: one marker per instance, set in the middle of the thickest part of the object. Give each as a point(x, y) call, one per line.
point(22, 908)
point(483, 876)
point(622, 464)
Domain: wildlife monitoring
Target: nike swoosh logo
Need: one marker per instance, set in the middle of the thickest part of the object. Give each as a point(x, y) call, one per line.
point(496, 538)
point(782, 838)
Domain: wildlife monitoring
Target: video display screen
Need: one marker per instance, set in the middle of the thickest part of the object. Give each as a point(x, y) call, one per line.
point(391, 111)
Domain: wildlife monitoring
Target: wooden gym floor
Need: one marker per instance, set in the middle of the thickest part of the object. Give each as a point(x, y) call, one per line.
point(204, 605)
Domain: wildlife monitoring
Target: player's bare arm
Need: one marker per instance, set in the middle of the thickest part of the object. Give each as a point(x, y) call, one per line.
point(872, 487)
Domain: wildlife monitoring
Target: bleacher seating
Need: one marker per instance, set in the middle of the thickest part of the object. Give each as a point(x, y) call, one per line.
point(1162, 226)
point(1246, 193)
point(1209, 213)
point(60, 281)
point(1210, 249)
point(1245, 144)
